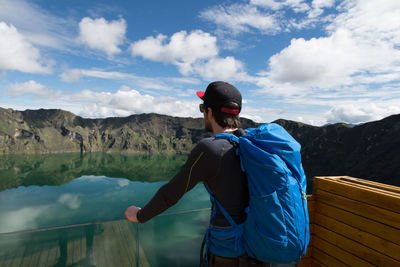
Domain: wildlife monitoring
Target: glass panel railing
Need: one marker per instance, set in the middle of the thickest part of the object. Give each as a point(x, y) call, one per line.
point(172, 239)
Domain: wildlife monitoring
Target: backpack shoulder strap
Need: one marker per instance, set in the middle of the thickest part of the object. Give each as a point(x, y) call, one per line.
point(234, 139)
point(217, 204)
point(229, 137)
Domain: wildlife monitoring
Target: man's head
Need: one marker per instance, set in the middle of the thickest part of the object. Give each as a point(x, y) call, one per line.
point(225, 101)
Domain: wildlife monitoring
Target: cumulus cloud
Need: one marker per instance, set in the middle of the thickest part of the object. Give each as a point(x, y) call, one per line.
point(70, 200)
point(193, 53)
point(22, 219)
point(356, 113)
point(355, 48)
point(353, 72)
point(102, 35)
point(127, 101)
point(31, 88)
point(221, 68)
point(318, 7)
point(16, 53)
point(182, 49)
point(325, 62)
point(123, 182)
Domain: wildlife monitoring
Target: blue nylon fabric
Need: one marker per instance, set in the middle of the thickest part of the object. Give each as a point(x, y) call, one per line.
point(226, 241)
point(277, 225)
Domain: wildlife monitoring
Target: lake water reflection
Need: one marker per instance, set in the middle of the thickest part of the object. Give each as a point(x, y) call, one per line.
point(38, 191)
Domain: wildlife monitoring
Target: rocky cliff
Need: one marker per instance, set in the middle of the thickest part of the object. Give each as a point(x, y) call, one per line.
point(49, 131)
point(369, 151)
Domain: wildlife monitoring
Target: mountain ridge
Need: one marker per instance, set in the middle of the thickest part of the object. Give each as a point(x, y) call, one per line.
point(368, 151)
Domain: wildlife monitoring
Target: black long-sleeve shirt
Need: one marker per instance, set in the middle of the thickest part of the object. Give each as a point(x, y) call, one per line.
point(213, 161)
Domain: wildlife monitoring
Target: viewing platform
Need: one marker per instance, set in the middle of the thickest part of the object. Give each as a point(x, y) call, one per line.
point(353, 222)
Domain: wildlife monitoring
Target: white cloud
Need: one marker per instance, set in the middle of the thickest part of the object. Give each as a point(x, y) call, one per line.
point(16, 53)
point(356, 113)
point(193, 53)
point(239, 18)
point(31, 88)
point(70, 200)
point(221, 69)
point(102, 35)
point(36, 24)
point(296, 5)
point(362, 46)
point(22, 219)
point(318, 7)
point(155, 83)
point(268, 16)
point(123, 182)
point(324, 62)
point(182, 50)
point(75, 75)
point(127, 101)
point(374, 20)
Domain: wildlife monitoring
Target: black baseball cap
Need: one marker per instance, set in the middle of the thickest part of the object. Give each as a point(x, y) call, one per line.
point(219, 94)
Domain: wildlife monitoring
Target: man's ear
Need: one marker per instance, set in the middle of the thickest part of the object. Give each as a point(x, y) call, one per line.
point(209, 112)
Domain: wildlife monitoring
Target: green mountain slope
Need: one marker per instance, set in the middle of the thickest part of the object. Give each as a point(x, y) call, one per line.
point(43, 131)
point(368, 151)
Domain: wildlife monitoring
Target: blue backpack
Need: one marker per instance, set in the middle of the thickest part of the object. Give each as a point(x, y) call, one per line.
point(276, 229)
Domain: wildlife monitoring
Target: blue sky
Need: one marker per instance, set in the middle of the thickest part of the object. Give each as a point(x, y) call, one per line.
point(315, 61)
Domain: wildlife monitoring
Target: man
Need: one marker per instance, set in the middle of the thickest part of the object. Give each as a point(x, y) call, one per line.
point(213, 162)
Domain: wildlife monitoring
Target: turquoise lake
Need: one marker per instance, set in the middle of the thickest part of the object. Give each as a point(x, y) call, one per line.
point(68, 209)
point(49, 190)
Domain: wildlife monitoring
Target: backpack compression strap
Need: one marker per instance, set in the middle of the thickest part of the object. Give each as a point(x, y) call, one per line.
point(213, 212)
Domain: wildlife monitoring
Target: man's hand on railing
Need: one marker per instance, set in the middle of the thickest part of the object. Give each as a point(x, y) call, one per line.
point(130, 213)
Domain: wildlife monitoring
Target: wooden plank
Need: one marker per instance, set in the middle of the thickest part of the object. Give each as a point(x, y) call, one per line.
point(119, 257)
point(336, 252)
point(6, 256)
point(311, 217)
point(310, 205)
point(361, 194)
point(98, 249)
point(36, 250)
point(43, 256)
point(129, 241)
point(20, 251)
point(326, 259)
point(104, 245)
point(78, 249)
point(309, 251)
point(316, 263)
point(372, 188)
point(390, 188)
point(388, 248)
point(311, 227)
point(378, 229)
point(354, 248)
point(369, 211)
point(27, 256)
point(305, 263)
point(54, 254)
